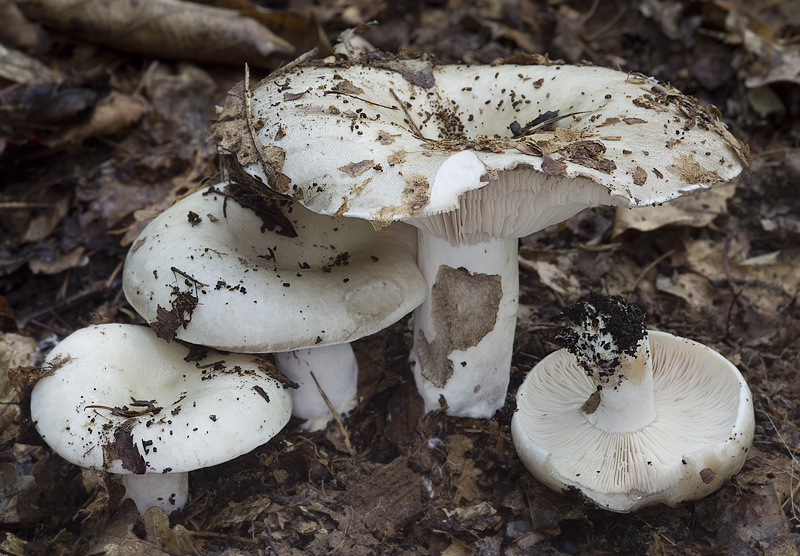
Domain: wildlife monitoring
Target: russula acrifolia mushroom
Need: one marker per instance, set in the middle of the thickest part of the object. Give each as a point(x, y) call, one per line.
point(631, 417)
point(117, 398)
point(475, 157)
point(224, 269)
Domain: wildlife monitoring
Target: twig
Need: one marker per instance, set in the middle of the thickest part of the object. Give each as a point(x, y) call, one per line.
point(346, 529)
point(221, 536)
point(727, 264)
point(414, 129)
point(268, 170)
point(25, 205)
point(335, 416)
point(110, 281)
point(647, 269)
point(269, 540)
point(791, 455)
point(360, 99)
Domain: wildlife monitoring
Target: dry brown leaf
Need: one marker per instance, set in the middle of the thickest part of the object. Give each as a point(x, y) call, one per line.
point(173, 540)
point(112, 114)
point(247, 511)
point(774, 62)
point(457, 548)
point(118, 537)
point(19, 67)
point(481, 516)
point(76, 257)
point(42, 223)
point(163, 28)
point(694, 289)
point(768, 281)
point(15, 351)
point(19, 33)
point(303, 32)
point(746, 520)
point(695, 210)
point(12, 487)
point(552, 277)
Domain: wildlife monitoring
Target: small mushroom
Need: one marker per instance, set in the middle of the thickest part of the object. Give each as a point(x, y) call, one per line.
point(632, 417)
point(248, 275)
point(119, 399)
point(475, 157)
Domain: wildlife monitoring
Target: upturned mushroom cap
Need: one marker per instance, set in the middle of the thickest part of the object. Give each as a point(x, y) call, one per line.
point(274, 278)
point(122, 400)
point(386, 139)
point(699, 438)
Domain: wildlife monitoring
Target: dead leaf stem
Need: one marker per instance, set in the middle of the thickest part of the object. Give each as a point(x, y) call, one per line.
point(270, 173)
point(335, 413)
point(414, 128)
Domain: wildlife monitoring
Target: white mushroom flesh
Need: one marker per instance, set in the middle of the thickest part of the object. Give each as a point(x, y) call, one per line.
point(376, 143)
point(121, 400)
point(311, 281)
point(699, 437)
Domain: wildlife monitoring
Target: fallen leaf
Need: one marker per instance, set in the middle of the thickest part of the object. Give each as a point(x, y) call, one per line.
point(15, 351)
point(247, 511)
point(694, 289)
point(164, 28)
point(747, 522)
point(19, 33)
point(11, 486)
point(171, 540)
point(552, 277)
point(112, 114)
point(697, 211)
point(75, 258)
point(18, 67)
point(768, 281)
point(773, 62)
point(478, 517)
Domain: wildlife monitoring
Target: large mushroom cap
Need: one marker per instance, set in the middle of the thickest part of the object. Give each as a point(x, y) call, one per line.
point(122, 400)
point(277, 278)
point(699, 438)
point(397, 139)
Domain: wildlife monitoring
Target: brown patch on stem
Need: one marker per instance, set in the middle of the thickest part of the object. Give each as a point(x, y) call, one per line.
point(463, 310)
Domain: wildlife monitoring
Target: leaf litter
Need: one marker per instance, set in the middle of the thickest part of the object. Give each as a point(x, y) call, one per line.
point(94, 142)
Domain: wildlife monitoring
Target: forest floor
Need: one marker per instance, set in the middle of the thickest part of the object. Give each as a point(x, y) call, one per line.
point(96, 138)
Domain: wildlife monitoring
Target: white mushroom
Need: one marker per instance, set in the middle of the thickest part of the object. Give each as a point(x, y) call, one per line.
point(273, 276)
point(629, 417)
point(475, 157)
point(119, 399)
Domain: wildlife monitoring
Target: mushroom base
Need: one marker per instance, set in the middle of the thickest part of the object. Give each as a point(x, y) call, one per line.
point(699, 438)
point(335, 368)
point(168, 491)
point(464, 331)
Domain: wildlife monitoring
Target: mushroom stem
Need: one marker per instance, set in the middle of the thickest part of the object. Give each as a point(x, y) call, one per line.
point(168, 491)
point(464, 331)
point(336, 369)
point(626, 397)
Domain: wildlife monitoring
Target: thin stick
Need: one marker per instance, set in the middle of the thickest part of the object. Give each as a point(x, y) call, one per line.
point(24, 205)
point(647, 269)
point(220, 536)
point(414, 129)
point(335, 416)
point(268, 170)
point(269, 540)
